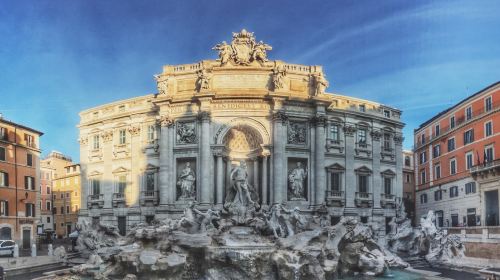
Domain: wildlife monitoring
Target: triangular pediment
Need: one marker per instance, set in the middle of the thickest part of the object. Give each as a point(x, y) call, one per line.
point(388, 173)
point(363, 169)
point(336, 166)
point(121, 169)
point(95, 173)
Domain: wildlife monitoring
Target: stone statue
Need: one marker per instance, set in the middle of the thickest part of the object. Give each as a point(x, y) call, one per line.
point(279, 73)
point(186, 182)
point(225, 52)
point(186, 133)
point(259, 51)
point(297, 133)
point(162, 84)
point(203, 81)
point(321, 83)
point(296, 180)
point(207, 219)
point(240, 185)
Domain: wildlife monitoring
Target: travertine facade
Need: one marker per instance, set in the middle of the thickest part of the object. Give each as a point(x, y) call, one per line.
point(148, 157)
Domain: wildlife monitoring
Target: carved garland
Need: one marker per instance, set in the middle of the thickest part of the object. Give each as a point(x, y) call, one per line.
point(107, 136)
point(164, 121)
point(349, 130)
point(134, 130)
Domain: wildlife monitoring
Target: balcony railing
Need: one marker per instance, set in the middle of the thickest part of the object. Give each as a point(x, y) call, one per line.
point(485, 166)
point(364, 199)
point(335, 198)
point(95, 199)
point(387, 199)
point(118, 198)
point(149, 196)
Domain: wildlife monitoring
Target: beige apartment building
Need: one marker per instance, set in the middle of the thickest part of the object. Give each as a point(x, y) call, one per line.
point(67, 198)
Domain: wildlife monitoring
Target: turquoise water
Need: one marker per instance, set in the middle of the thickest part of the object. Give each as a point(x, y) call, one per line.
point(392, 274)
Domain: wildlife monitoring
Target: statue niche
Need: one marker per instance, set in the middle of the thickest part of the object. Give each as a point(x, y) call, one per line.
point(186, 177)
point(297, 179)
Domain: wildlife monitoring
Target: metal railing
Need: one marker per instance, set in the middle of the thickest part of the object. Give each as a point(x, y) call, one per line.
point(485, 165)
point(149, 194)
point(95, 197)
point(118, 196)
point(364, 196)
point(334, 194)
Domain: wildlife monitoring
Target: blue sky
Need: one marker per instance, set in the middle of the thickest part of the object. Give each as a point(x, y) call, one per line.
point(58, 58)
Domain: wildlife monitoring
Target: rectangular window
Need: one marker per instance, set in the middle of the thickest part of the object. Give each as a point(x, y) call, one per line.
point(452, 122)
point(3, 134)
point(123, 136)
point(29, 183)
point(387, 185)
point(423, 157)
point(62, 210)
point(334, 132)
point(95, 186)
point(408, 178)
point(387, 141)
point(489, 156)
point(363, 183)
point(30, 210)
point(437, 174)
point(54, 210)
point(454, 220)
point(29, 140)
point(453, 166)
point(422, 138)
point(469, 136)
point(422, 177)
point(48, 190)
point(488, 104)
point(48, 205)
point(150, 182)
point(488, 129)
point(4, 208)
point(29, 160)
point(437, 130)
point(362, 137)
point(438, 195)
point(67, 209)
point(453, 191)
point(469, 160)
point(387, 113)
point(436, 151)
point(151, 133)
point(362, 108)
point(335, 181)
point(468, 113)
point(4, 179)
point(470, 188)
point(451, 144)
point(122, 184)
point(96, 142)
point(423, 198)
point(2, 153)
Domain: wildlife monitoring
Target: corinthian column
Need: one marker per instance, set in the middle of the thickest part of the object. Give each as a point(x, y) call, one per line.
point(219, 178)
point(279, 186)
point(265, 156)
point(165, 194)
point(205, 161)
point(319, 158)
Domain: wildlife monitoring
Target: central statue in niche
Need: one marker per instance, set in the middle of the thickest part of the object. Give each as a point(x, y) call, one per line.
point(241, 198)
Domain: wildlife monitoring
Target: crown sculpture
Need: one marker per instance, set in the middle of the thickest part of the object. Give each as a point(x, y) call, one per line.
point(243, 49)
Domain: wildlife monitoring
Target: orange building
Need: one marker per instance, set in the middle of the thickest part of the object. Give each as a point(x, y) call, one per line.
point(19, 181)
point(450, 146)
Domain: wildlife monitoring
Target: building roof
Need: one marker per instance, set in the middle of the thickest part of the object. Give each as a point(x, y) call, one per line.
point(2, 120)
point(456, 105)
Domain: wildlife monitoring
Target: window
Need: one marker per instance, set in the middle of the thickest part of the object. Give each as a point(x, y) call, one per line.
point(363, 183)
point(436, 151)
point(438, 195)
point(470, 188)
point(423, 198)
point(123, 136)
point(452, 122)
point(150, 182)
point(437, 174)
point(423, 157)
point(29, 183)
point(95, 186)
point(29, 160)
point(48, 219)
point(29, 140)
point(62, 209)
point(489, 156)
point(436, 130)
point(387, 141)
point(469, 160)
point(48, 190)
point(454, 220)
point(488, 104)
point(362, 137)
point(387, 185)
point(62, 196)
point(453, 166)
point(488, 129)
point(2, 153)
point(407, 161)
point(48, 205)
point(468, 113)
point(67, 209)
point(453, 191)
point(4, 208)
point(468, 136)
point(122, 184)
point(451, 144)
point(151, 133)
point(335, 182)
point(96, 142)
point(387, 113)
point(54, 210)
point(422, 177)
point(408, 178)
point(334, 132)
point(362, 107)
point(422, 138)
point(4, 179)
point(3, 134)
point(30, 210)
point(67, 195)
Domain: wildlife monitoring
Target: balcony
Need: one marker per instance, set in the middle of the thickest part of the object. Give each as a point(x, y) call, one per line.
point(334, 144)
point(387, 200)
point(95, 199)
point(491, 167)
point(149, 197)
point(335, 198)
point(118, 198)
point(364, 199)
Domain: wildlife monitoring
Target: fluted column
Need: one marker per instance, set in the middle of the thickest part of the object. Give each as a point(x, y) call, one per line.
point(219, 179)
point(165, 123)
point(350, 175)
point(255, 163)
point(279, 187)
point(319, 159)
point(264, 201)
point(205, 158)
point(376, 187)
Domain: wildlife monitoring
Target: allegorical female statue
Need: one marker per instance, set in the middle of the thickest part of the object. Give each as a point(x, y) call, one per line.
point(296, 180)
point(186, 182)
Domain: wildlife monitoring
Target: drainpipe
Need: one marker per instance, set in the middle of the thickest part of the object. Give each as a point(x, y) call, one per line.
point(15, 175)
